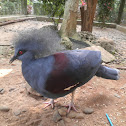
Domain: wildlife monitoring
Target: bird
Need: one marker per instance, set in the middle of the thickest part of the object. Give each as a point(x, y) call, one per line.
point(60, 73)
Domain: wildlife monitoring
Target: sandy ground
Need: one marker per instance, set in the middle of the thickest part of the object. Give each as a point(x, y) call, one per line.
point(103, 96)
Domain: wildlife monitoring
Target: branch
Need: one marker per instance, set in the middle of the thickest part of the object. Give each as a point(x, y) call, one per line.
point(121, 68)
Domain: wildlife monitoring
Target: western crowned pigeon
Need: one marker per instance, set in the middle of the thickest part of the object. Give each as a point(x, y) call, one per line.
point(60, 73)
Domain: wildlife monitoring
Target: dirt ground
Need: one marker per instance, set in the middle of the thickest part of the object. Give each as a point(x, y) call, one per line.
point(103, 96)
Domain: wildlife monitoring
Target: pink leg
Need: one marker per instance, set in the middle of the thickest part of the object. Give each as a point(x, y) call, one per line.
point(71, 105)
point(51, 102)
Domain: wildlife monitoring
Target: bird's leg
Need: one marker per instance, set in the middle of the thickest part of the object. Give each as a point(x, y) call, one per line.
point(51, 102)
point(71, 105)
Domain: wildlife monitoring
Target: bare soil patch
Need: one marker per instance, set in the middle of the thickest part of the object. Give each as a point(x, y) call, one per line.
point(103, 96)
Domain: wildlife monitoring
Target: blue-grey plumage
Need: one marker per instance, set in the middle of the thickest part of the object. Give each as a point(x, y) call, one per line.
point(108, 73)
point(60, 73)
point(53, 75)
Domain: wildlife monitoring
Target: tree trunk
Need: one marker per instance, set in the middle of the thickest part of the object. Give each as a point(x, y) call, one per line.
point(87, 15)
point(24, 7)
point(122, 4)
point(69, 23)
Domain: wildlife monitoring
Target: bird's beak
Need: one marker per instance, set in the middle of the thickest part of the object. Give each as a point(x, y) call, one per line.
point(12, 59)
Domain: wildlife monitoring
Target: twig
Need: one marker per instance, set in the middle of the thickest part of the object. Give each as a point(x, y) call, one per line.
point(121, 68)
point(15, 21)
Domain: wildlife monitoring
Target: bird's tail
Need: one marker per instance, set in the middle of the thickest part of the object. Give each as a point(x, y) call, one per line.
point(108, 73)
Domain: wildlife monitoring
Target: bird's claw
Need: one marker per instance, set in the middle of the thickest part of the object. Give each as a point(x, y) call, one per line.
point(71, 106)
point(51, 102)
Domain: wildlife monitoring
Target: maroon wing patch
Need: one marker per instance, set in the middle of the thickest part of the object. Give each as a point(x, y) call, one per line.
point(59, 79)
point(60, 63)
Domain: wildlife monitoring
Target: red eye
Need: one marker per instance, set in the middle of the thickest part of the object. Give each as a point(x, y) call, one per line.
point(20, 52)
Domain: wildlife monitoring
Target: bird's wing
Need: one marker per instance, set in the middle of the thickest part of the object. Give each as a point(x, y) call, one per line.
point(72, 68)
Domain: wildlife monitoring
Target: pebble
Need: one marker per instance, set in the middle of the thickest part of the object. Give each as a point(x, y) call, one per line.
point(72, 114)
point(67, 120)
point(11, 89)
point(75, 125)
point(2, 90)
point(75, 115)
point(61, 123)
point(62, 111)
point(4, 108)
point(116, 95)
point(79, 116)
point(40, 124)
point(17, 112)
point(56, 116)
point(88, 110)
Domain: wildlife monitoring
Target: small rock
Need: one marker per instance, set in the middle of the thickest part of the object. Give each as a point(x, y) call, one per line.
point(17, 112)
point(23, 110)
point(79, 116)
point(88, 110)
point(116, 95)
point(2, 90)
point(75, 125)
point(20, 111)
point(56, 116)
point(61, 123)
point(11, 89)
point(107, 44)
point(89, 87)
point(4, 108)
point(67, 120)
point(40, 124)
point(75, 115)
point(71, 115)
point(62, 111)
point(34, 122)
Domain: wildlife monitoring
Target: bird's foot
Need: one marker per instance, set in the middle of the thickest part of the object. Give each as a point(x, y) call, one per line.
point(71, 106)
point(51, 102)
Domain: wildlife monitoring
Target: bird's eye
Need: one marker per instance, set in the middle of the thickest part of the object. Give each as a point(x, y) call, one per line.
point(21, 52)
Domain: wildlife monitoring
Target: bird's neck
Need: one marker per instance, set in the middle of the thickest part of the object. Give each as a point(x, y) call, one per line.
point(28, 58)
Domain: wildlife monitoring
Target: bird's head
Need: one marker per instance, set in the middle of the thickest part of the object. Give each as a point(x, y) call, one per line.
point(18, 55)
point(37, 43)
point(27, 45)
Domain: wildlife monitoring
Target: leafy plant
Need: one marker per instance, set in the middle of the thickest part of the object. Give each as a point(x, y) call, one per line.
point(7, 8)
point(54, 8)
point(105, 8)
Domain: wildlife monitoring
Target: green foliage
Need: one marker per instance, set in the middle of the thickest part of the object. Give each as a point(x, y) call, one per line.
point(29, 2)
point(105, 8)
point(114, 12)
point(7, 7)
point(54, 8)
point(107, 11)
point(38, 9)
